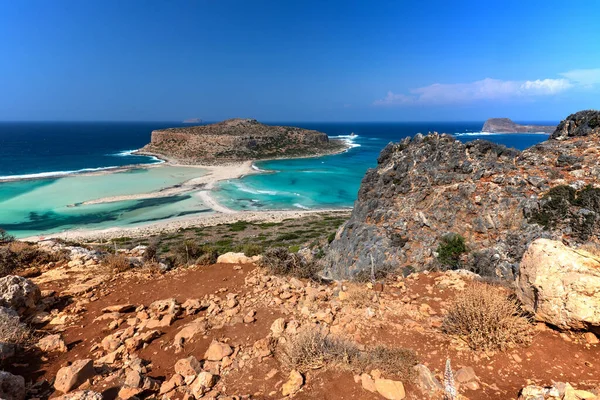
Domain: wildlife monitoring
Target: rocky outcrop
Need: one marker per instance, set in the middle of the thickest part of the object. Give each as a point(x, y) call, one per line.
point(238, 140)
point(506, 125)
point(19, 294)
point(582, 123)
point(12, 387)
point(498, 199)
point(560, 285)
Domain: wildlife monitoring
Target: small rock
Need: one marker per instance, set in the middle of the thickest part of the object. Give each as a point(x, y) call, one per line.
point(464, 375)
point(293, 384)
point(217, 350)
point(278, 327)
point(188, 366)
point(71, 377)
point(391, 390)
point(12, 387)
point(81, 395)
point(368, 383)
point(119, 308)
point(52, 343)
point(590, 338)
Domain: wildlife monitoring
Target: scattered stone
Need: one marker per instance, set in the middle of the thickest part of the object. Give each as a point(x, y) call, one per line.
point(74, 375)
point(236, 258)
point(426, 380)
point(19, 294)
point(217, 350)
point(464, 375)
point(12, 387)
point(119, 308)
point(293, 384)
point(368, 383)
point(391, 390)
point(52, 343)
point(81, 395)
point(188, 366)
point(197, 327)
point(278, 327)
point(590, 338)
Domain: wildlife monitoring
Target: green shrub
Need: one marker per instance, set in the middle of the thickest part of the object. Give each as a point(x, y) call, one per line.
point(294, 249)
point(252, 249)
point(451, 247)
point(331, 237)
point(238, 226)
point(5, 237)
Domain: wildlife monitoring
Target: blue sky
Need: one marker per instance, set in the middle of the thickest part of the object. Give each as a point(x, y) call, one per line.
point(298, 60)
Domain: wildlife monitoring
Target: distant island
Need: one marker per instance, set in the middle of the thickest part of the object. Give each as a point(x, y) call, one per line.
point(506, 125)
point(192, 121)
point(236, 140)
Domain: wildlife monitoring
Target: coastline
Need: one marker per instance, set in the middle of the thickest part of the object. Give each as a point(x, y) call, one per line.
point(176, 224)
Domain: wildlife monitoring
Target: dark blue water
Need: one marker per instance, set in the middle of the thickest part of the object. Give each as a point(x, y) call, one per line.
point(37, 147)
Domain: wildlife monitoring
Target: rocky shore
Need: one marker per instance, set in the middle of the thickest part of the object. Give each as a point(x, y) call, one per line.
point(506, 125)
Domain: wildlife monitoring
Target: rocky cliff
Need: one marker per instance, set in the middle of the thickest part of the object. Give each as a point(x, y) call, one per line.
point(499, 199)
point(506, 125)
point(238, 140)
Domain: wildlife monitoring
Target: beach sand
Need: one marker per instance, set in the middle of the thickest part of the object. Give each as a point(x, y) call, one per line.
point(175, 224)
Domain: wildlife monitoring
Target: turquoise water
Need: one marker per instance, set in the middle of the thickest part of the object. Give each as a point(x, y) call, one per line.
point(33, 207)
point(43, 206)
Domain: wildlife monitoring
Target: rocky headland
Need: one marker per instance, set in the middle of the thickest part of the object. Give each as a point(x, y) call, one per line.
point(236, 140)
point(498, 199)
point(506, 125)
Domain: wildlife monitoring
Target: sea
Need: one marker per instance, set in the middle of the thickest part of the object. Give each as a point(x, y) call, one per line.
point(42, 190)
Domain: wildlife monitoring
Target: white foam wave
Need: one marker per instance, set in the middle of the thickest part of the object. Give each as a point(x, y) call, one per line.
point(348, 139)
point(244, 188)
point(254, 167)
point(53, 174)
point(497, 133)
point(124, 153)
point(301, 206)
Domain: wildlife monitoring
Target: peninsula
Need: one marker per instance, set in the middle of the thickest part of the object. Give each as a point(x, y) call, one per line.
point(237, 140)
point(506, 125)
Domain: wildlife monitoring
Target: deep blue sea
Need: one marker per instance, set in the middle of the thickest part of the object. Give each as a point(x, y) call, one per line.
point(53, 203)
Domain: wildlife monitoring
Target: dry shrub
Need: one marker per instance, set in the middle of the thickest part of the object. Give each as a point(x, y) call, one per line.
point(359, 296)
point(592, 248)
point(153, 267)
point(12, 330)
point(313, 349)
point(116, 263)
point(487, 318)
point(279, 261)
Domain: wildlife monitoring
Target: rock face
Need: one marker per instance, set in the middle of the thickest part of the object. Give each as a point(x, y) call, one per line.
point(506, 125)
point(238, 140)
point(498, 199)
point(12, 387)
point(582, 123)
point(560, 285)
point(19, 294)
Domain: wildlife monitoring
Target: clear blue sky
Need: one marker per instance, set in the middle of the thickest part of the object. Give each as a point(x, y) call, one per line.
point(285, 60)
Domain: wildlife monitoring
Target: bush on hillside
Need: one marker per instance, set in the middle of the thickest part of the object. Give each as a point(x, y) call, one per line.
point(279, 261)
point(5, 237)
point(451, 247)
point(487, 319)
point(116, 263)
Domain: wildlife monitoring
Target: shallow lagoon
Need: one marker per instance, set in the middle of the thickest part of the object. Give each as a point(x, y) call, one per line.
point(33, 207)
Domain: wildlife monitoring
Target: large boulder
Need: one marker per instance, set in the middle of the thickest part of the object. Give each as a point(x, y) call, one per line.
point(12, 387)
point(236, 258)
point(561, 285)
point(19, 294)
point(73, 376)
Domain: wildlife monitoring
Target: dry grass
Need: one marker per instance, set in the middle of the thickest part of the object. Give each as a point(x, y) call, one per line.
point(279, 261)
point(360, 296)
point(12, 330)
point(592, 248)
point(116, 263)
point(487, 318)
point(312, 349)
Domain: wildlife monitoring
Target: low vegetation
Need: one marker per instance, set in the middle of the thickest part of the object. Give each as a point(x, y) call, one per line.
point(15, 255)
point(487, 318)
point(450, 249)
point(5, 238)
point(312, 349)
point(279, 261)
point(565, 206)
point(116, 263)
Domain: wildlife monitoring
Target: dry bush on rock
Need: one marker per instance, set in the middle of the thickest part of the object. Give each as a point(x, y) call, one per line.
point(488, 319)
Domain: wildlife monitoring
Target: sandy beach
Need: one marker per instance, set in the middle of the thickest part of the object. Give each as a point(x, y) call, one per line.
point(175, 224)
point(211, 175)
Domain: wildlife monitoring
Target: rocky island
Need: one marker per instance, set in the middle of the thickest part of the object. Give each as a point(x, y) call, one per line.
point(506, 125)
point(237, 140)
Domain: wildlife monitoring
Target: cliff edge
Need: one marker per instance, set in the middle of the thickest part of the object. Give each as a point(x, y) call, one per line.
point(238, 140)
point(498, 199)
point(506, 125)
